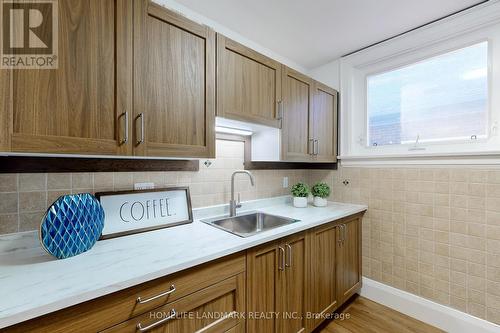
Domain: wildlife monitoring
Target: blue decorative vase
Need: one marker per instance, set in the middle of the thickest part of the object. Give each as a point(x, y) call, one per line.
point(72, 225)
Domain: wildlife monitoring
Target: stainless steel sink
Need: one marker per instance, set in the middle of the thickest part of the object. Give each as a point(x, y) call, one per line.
point(249, 224)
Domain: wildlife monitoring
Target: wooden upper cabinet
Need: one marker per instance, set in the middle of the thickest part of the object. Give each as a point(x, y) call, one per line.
point(174, 84)
point(248, 84)
point(78, 107)
point(297, 106)
point(323, 123)
point(309, 119)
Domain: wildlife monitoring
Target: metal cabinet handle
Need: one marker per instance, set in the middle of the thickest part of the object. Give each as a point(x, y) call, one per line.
point(339, 241)
point(141, 137)
point(316, 147)
point(344, 228)
point(153, 325)
point(125, 139)
point(168, 292)
point(289, 261)
point(281, 259)
point(311, 147)
point(280, 113)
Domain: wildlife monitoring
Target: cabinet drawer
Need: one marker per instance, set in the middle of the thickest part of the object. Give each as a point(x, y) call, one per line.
point(213, 309)
point(179, 285)
point(106, 311)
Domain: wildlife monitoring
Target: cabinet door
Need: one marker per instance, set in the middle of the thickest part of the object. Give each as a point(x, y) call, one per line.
point(80, 106)
point(210, 310)
point(296, 272)
point(248, 84)
point(322, 291)
point(265, 281)
point(349, 259)
point(297, 105)
point(324, 123)
point(174, 84)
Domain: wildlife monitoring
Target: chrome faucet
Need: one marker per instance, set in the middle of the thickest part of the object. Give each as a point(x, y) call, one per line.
point(233, 204)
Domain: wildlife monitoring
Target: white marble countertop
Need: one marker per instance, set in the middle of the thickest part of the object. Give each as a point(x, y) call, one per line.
point(33, 283)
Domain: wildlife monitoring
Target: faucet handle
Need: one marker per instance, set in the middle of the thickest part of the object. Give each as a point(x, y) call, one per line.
point(238, 204)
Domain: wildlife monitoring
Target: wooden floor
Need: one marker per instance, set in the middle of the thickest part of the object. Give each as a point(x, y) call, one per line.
point(366, 316)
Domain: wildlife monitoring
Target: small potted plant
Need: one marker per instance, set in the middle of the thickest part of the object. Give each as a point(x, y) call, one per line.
point(300, 191)
point(320, 191)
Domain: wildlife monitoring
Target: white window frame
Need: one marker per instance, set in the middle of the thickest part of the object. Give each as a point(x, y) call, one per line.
point(465, 29)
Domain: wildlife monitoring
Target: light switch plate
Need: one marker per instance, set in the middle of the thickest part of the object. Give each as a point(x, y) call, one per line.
point(285, 182)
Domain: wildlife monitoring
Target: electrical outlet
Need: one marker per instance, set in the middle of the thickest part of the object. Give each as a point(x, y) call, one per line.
point(285, 182)
point(144, 186)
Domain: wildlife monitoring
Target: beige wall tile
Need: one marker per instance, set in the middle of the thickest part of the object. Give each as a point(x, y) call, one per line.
point(476, 203)
point(8, 182)
point(30, 221)
point(104, 181)
point(59, 181)
point(434, 232)
point(493, 274)
point(458, 303)
point(52, 196)
point(32, 201)
point(8, 203)
point(493, 301)
point(493, 315)
point(123, 181)
point(493, 259)
point(32, 182)
point(494, 177)
point(476, 283)
point(478, 176)
point(477, 310)
point(82, 181)
point(8, 223)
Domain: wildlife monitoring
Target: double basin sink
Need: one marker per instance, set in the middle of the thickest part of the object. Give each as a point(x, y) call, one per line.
point(249, 224)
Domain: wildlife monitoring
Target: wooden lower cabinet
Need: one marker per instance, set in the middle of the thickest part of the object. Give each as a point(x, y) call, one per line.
point(348, 258)
point(208, 287)
point(265, 276)
point(240, 328)
point(211, 310)
point(277, 276)
point(295, 283)
point(289, 285)
point(323, 249)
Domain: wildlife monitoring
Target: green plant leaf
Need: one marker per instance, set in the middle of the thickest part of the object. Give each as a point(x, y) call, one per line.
point(321, 190)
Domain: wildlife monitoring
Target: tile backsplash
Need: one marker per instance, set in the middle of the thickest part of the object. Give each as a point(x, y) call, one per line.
point(434, 232)
point(24, 198)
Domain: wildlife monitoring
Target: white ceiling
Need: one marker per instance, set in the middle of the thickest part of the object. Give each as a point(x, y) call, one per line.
point(314, 32)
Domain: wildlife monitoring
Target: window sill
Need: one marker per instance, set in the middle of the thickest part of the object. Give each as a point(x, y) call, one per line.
point(466, 158)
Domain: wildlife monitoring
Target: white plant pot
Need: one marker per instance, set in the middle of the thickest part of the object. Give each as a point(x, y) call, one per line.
point(320, 202)
point(300, 202)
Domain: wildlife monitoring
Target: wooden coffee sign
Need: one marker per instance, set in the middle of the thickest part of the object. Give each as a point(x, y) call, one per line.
point(131, 212)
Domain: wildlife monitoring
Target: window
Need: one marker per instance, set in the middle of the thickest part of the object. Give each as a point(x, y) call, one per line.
point(438, 84)
point(439, 99)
